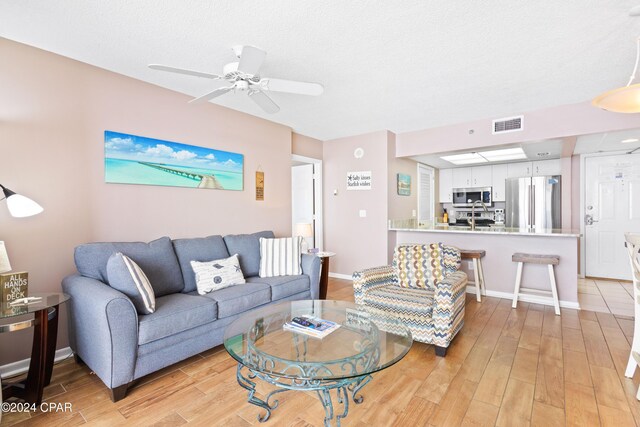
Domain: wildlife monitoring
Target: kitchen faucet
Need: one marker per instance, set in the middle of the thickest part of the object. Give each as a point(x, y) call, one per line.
point(472, 220)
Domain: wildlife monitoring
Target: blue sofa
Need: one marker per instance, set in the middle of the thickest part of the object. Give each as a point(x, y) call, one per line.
point(120, 345)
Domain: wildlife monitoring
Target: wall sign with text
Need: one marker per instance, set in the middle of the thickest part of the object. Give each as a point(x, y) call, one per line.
point(359, 180)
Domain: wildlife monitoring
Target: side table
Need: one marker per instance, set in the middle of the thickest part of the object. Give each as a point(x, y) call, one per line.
point(324, 272)
point(45, 334)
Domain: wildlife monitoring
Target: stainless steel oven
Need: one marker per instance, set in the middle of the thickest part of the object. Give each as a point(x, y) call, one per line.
point(465, 197)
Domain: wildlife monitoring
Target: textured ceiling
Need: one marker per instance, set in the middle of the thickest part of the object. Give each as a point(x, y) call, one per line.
point(400, 65)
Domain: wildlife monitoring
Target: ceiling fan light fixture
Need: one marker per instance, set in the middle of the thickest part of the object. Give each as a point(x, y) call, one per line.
point(624, 99)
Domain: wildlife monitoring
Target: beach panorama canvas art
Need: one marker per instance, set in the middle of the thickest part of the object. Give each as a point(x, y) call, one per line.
point(131, 159)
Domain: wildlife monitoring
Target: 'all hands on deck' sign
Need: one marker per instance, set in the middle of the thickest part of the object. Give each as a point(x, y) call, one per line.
point(14, 286)
point(359, 180)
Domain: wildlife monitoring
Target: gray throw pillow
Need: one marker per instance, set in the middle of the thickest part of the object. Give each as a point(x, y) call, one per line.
point(127, 277)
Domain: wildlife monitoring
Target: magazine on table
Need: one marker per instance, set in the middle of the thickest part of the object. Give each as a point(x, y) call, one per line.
point(312, 326)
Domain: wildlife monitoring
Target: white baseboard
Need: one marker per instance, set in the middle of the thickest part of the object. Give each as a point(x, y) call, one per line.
point(340, 276)
point(22, 366)
point(535, 299)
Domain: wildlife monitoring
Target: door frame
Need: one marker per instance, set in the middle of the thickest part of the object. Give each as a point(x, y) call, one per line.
point(318, 220)
point(583, 236)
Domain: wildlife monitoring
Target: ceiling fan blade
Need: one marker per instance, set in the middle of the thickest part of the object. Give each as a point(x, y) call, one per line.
point(209, 96)
point(264, 102)
point(251, 59)
point(183, 71)
point(291, 86)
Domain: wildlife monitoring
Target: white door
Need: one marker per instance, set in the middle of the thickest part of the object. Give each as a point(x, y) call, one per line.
point(426, 184)
point(302, 198)
point(612, 207)
point(445, 185)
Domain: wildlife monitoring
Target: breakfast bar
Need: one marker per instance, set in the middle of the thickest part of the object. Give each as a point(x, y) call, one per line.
point(500, 244)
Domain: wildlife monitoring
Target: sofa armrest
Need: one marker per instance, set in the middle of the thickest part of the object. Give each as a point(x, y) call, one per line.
point(311, 267)
point(370, 278)
point(103, 328)
point(448, 311)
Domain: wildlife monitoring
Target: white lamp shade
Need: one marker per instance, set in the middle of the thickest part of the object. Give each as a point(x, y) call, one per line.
point(304, 229)
point(622, 100)
point(5, 265)
point(20, 206)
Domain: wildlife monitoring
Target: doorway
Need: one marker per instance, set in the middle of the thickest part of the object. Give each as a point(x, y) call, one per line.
point(611, 208)
point(306, 198)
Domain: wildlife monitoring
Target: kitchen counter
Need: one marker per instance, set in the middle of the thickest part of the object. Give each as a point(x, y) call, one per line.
point(489, 230)
point(500, 244)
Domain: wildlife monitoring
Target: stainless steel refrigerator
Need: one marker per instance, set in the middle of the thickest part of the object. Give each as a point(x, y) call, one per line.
point(534, 202)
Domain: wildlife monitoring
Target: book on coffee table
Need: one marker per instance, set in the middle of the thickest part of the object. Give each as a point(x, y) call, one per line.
point(312, 326)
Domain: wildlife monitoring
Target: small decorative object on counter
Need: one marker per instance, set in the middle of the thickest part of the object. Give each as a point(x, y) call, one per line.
point(445, 216)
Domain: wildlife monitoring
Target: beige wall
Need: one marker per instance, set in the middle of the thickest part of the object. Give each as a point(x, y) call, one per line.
point(53, 112)
point(358, 242)
point(306, 146)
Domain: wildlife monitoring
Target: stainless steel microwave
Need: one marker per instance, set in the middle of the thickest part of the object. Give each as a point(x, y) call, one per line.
point(465, 197)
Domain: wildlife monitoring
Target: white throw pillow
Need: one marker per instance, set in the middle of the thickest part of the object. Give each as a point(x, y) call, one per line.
point(217, 274)
point(280, 257)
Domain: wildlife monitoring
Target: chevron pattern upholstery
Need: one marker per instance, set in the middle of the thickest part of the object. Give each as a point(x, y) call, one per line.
point(423, 288)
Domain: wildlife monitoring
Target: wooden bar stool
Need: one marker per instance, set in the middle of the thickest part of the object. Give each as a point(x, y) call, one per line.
point(478, 273)
point(550, 261)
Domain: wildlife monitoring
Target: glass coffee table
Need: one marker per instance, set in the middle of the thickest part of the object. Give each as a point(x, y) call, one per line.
point(340, 363)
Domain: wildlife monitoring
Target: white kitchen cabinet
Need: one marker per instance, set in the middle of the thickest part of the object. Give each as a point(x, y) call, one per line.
point(481, 176)
point(547, 167)
point(462, 178)
point(445, 185)
point(498, 176)
point(516, 170)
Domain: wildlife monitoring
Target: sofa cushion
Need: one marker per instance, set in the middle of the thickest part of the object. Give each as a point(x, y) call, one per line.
point(238, 299)
point(175, 313)
point(247, 246)
point(283, 286)
point(280, 257)
point(127, 277)
point(157, 259)
point(197, 249)
point(408, 304)
point(217, 274)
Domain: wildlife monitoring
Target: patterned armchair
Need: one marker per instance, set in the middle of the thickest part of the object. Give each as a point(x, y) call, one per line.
point(423, 288)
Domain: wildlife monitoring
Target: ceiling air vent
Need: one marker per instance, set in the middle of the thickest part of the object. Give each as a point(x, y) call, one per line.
point(508, 124)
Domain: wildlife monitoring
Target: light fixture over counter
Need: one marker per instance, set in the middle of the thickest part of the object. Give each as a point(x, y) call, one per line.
point(486, 156)
point(20, 206)
point(624, 99)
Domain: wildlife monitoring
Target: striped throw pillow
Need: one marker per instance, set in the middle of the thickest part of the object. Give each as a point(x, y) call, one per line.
point(127, 277)
point(280, 257)
point(217, 274)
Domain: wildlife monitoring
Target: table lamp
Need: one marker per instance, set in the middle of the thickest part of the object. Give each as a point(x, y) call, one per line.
point(304, 230)
point(5, 265)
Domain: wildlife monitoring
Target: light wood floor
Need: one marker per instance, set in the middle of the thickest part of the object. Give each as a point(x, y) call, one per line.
point(606, 296)
point(506, 367)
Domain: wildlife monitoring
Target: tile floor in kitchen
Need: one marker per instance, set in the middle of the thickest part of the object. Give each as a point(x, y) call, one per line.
point(607, 296)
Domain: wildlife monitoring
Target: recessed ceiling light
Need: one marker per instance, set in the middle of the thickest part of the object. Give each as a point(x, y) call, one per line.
point(626, 141)
point(505, 154)
point(464, 159)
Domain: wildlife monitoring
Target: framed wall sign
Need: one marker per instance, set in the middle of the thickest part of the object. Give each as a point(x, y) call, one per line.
point(259, 185)
point(359, 180)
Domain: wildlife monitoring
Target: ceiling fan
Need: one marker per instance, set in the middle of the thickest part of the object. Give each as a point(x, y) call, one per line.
point(243, 77)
